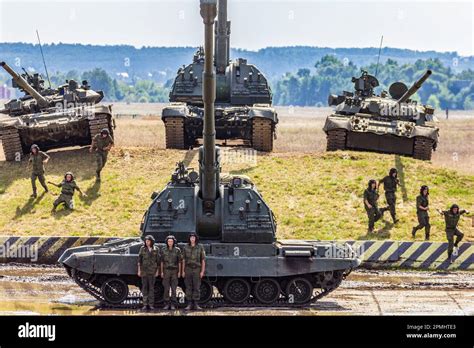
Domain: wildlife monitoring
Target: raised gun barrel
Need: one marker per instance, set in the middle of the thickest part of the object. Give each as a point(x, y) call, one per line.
point(209, 163)
point(416, 86)
point(20, 81)
point(222, 37)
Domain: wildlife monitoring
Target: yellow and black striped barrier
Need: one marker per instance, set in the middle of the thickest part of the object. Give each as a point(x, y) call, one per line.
point(393, 254)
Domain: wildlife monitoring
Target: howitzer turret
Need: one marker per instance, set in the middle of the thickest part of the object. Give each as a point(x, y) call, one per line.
point(22, 83)
point(243, 98)
point(416, 86)
point(382, 123)
point(245, 264)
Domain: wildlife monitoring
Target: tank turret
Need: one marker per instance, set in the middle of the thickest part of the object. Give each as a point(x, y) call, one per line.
point(22, 83)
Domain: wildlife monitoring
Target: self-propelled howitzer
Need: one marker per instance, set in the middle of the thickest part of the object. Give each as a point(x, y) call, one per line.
point(243, 108)
point(245, 264)
point(388, 123)
point(51, 118)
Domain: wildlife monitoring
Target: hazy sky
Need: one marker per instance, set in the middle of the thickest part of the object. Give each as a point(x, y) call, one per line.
point(423, 25)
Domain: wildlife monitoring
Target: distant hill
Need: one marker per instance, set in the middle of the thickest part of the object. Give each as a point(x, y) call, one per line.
point(160, 63)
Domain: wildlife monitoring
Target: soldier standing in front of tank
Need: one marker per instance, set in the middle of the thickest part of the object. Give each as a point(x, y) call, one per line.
point(68, 187)
point(101, 144)
point(422, 207)
point(371, 197)
point(149, 261)
point(171, 263)
point(390, 184)
point(38, 159)
point(451, 217)
point(194, 268)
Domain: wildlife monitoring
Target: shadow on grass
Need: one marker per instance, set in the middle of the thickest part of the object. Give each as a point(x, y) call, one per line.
point(61, 212)
point(28, 206)
point(92, 193)
point(77, 160)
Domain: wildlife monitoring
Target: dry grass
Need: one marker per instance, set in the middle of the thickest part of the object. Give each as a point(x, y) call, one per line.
point(314, 194)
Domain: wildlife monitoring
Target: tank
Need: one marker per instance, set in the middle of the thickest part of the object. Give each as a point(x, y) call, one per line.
point(243, 99)
point(51, 118)
point(388, 123)
point(246, 264)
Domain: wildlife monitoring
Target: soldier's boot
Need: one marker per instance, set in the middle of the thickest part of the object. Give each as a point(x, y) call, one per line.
point(152, 308)
point(196, 306)
point(172, 306)
point(33, 195)
point(145, 307)
point(427, 234)
point(189, 306)
point(413, 232)
point(167, 306)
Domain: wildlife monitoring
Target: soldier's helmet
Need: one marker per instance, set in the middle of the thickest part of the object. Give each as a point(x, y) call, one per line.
point(105, 131)
point(424, 187)
point(454, 206)
point(371, 181)
point(34, 146)
point(151, 238)
point(193, 235)
point(173, 238)
point(69, 173)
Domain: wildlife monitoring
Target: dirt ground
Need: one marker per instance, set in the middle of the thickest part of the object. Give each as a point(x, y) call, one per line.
point(29, 290)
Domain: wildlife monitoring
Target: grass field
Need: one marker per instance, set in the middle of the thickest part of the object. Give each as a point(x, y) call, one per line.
point(315, 195)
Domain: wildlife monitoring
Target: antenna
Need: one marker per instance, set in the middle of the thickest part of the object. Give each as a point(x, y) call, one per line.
point(42, 55)
point(378, 58)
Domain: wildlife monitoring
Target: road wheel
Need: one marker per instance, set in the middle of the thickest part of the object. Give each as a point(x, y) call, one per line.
point(267, 290)
point(114, 290)
point(236, 290)
point(299, 290)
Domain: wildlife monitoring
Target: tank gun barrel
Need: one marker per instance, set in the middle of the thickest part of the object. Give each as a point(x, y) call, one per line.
point(416, 86)
point(20, 81)
point(209, 162)
point(222, 37)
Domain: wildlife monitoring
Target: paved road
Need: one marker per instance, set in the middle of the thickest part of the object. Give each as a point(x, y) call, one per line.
point(47, 290)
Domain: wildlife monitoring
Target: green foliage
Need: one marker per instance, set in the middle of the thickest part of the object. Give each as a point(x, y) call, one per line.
point(444, 89)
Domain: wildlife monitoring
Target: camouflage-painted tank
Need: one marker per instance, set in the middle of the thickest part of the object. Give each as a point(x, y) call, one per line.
point(245, 263)
point(387, 123)
point(51, 118)
point(243, 99)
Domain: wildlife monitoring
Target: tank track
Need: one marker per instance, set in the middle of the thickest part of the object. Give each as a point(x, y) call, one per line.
point(336, 140)
point(11, 143)
point(262, 134)
point(217, 301)
point(174, 130)
point(423, 148)
point(99, 122)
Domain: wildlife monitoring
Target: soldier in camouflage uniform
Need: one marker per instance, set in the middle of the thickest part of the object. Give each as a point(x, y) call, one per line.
point(149, 260)
point(68, 186)
point(171, 263)
point(38, 159)
point(194, 269)
point(451, 217)
point(371, 197)
point(101, 144)
point(422, 207)
point(390, 184)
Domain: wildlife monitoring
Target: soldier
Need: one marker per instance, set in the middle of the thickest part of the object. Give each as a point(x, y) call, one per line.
point(171, 265)
point(68, 186)
point(390, 183)
point(194, 268)
point(451, 217)
point(149, 259)
point(370, 203)
point(38, 159)
point(422, 207)
point(101, 144)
